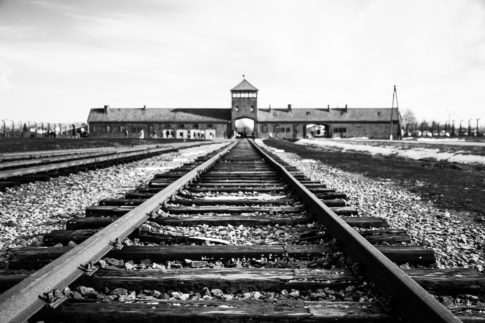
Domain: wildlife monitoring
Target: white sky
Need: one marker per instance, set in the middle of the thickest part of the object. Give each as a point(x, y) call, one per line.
point(59, 58)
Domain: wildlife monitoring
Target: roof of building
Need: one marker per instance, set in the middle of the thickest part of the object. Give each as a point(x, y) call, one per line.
point(325, 114)
point(160, 115)
point(224, 114)
point(244, 86)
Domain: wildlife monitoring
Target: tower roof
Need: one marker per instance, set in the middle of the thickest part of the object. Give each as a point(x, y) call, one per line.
point(244, 86)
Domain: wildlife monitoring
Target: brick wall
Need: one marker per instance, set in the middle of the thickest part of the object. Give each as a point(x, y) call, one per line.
point(345, 130)
point(117, 130)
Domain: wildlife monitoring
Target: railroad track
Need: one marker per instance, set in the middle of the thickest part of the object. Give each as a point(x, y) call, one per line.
point(18, 168)
point(234, 236)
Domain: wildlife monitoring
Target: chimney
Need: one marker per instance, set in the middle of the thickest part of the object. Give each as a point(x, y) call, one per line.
point(105, 109)
point(328, 107)
point(346, 107)
point(144, 107)
point(289, 107)
point(269, 108)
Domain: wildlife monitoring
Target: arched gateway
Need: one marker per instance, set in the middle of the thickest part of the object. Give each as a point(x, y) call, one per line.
point(244, 128)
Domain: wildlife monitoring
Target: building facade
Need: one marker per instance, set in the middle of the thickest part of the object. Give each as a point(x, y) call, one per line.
point(244, 118)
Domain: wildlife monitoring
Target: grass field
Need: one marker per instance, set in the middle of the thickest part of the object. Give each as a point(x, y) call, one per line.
point(452, 185)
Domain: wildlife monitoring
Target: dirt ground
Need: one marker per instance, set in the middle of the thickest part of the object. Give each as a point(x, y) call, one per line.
point(8, 145)
point(448, 185)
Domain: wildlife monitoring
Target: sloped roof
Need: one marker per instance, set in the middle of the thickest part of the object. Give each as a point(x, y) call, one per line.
point(244, 86)
point(323, 114)
point(160, 115)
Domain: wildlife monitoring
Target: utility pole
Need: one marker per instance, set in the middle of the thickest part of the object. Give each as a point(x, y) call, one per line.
point(394, 98)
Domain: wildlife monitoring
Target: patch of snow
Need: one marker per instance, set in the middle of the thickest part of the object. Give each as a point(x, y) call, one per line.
point(385, 150)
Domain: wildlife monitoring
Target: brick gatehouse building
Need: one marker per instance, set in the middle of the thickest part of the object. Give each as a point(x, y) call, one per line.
point(244, 118)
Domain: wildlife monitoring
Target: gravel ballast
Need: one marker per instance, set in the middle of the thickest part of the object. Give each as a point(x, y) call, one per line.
point(457, 241)
point(29, 210)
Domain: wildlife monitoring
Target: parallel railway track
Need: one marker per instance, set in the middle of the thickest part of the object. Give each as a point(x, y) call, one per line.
point(17, 168)
point(230, 237)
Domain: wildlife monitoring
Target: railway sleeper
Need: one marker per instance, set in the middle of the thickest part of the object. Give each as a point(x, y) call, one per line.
point(102, 216)
point(218, 311)
point(37, 257)
point(78, 235)
point(279, 189)
point(232, 209)
point(440, 282)
point(222, 201)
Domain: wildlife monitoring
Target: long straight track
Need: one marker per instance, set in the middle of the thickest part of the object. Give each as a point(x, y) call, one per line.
point(234, 236)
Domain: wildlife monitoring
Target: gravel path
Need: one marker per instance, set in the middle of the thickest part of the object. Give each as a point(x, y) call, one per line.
point(29, 210)
point(457, 241)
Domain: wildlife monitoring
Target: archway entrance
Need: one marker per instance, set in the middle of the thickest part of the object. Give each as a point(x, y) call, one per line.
point(244, 128)
point(317, 131)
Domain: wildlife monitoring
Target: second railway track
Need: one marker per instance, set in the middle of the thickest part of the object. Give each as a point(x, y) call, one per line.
point(235, 236)
point(18, 168)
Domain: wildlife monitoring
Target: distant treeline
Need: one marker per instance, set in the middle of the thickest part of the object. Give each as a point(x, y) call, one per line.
point(11, 128)
point(452, 128)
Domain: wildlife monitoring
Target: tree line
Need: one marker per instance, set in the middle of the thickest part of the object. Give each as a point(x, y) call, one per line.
point(431, 128)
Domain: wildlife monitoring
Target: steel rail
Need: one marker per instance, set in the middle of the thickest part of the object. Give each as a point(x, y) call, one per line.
point(62, 152)
point(412, 301)
point(49, 160)
point(22, 300)
point(86, 161)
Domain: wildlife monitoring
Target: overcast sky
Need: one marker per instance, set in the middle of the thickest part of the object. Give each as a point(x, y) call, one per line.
point(59, 58)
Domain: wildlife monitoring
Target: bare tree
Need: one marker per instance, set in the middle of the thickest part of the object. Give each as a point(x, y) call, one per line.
point(408, 117)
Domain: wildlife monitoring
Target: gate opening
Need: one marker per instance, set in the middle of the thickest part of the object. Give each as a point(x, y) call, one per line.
point(244, 128)
point(317, 131)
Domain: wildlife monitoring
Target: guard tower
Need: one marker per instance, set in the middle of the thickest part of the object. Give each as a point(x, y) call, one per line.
point(244, 103)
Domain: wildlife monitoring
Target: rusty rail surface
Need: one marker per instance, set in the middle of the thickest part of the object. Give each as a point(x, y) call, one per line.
point(22, 300)
point(89, 160)
point(412, 301)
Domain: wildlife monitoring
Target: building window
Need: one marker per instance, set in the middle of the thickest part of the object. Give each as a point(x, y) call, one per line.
point(264, 128)
point(209, 126)
point(108, 128)
point(195, 126)
point(288, 129)
point(181, 126)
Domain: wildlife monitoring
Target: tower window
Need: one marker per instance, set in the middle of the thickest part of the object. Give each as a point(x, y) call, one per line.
point(252, 108)
point(237, 108)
